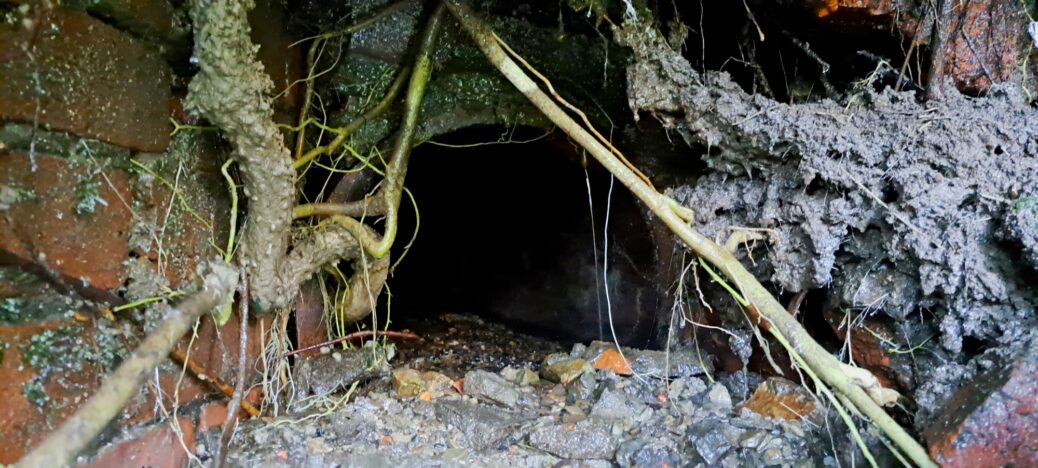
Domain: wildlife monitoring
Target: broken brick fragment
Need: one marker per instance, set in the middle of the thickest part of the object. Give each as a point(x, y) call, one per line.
point(871, 343)
point(992, 420)
point(781, 398)
point(611, 360)
point(156, 445)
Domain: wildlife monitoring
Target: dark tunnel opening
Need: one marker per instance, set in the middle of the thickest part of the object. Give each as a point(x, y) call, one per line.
point(506, 234)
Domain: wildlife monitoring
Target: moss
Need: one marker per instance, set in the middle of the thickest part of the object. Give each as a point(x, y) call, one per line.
point(65, 349)
point(11, 309)
point(108, 351)
point(465, 91)
point(54, 349)
point(377, 354)
point(11, 195)
point(34, 392)
point(88, 196)
point(20, 137)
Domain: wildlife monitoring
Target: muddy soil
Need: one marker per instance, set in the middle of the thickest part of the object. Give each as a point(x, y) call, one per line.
point(921, 213)
point(531, 402)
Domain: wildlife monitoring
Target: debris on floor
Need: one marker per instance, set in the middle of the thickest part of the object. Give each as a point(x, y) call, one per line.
point(475, 393)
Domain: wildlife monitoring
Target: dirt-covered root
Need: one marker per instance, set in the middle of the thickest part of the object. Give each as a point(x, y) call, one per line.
point(893, 205)
point(232, 91)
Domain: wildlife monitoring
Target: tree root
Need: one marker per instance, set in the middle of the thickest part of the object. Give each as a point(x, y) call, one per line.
point(814, 357)
point(59, 448)
point(232, 91)
point(393, 185)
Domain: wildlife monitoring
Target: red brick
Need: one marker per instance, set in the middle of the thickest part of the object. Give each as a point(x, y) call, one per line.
point(987, 41)
point(990, 421)
point(185, 239)
point(155, 446)
point(781, 398)
point(311, 328)
point(986, 44)
point(217, 349)
point(23, 424)
point(212, 416)
point(96, 80)
point(824, 8)
point(86, 249)
point(867, 350)
point(153, 19)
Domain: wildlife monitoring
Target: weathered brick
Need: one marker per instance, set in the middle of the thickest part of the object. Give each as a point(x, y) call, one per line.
point(176, 231)
point(992, 420)
point(781, 398)
point(986, 44)
point(69, 71)
point(151, 19)
point(52, 229)
point(157, 445)
point(23, 423)
point(871, 343)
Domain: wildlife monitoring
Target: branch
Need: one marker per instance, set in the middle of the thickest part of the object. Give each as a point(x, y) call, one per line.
point(62, 445)
point(824, 364)
point(331, 243)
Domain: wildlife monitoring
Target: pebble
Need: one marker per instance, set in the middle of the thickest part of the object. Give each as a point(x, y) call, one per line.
point(512, 418)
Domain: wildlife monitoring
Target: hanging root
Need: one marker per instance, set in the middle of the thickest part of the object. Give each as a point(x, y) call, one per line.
point(811, 356)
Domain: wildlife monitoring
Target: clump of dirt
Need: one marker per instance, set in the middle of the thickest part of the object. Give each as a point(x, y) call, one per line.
point(915, 211)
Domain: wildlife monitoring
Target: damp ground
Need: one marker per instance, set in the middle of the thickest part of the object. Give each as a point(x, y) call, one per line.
point(476, 393)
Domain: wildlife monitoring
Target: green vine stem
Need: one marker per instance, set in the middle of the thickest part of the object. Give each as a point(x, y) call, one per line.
point(393, 185)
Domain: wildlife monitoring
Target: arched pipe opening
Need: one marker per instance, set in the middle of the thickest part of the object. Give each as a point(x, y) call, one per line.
point(516, 233)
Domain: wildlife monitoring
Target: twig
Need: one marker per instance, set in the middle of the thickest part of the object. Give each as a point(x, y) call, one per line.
point(343, 133)
point(823, 66)
point(181, 358)
point(916, 40)
point(62, 445)
point(935, 82)
point(814, 356)
point(231, 420)
point(794, 304)
point(398, 335)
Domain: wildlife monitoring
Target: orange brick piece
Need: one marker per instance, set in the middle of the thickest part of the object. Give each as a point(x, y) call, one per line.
point(612, 360)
